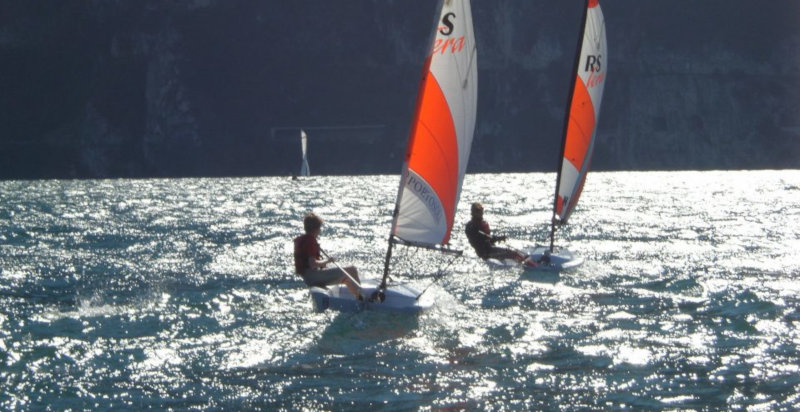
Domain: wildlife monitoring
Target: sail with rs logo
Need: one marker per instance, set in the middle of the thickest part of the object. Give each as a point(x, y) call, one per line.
point(436, 156)
point(579, 132)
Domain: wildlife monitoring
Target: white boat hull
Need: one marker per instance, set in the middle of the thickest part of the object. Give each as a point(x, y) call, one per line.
point(497, 264)
point(399, 298)
point(559, 260)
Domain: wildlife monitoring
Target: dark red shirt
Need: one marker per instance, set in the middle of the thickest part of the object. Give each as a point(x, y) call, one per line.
point(482, 243)
point(305, 246)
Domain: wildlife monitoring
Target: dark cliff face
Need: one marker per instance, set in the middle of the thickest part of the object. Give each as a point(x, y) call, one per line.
point(211, 87)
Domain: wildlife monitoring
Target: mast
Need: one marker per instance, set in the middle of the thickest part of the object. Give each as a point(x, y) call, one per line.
point(413, 132)
point(575, 67)
point(440, 136)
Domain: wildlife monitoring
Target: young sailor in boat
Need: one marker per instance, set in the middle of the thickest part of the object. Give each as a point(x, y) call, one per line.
point(481, 239)
point(309, 265)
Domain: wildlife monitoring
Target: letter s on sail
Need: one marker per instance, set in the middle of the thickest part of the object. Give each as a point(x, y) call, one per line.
point(593, 63)
point(448, 29)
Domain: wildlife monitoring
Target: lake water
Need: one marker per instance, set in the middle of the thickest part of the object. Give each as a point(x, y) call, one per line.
point(179, 293)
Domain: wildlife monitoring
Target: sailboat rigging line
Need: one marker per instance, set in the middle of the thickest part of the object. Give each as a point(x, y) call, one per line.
point(404, 172)
point(411, 255)
point(469, 66)
point(575, 64)
point(440, 274)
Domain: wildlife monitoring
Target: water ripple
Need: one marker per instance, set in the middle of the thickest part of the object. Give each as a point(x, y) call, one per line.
point(180, 293)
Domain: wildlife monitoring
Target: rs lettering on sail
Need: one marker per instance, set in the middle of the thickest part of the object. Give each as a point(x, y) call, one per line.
point(595, 79)
point(442, 46)
point(594, 65)
point(447, 28)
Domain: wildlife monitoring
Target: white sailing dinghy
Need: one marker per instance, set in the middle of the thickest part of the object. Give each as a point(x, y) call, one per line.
point(580, 127)
point(434, 166)
point(304, 170)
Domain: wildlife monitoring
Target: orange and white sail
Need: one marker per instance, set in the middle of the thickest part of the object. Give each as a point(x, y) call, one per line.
point(583, 112)
point(441, 132)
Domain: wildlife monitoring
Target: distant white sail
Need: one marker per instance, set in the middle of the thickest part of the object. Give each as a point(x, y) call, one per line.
point(304, 170)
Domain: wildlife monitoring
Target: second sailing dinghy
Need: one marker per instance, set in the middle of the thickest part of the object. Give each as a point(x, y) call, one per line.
point(580, 127)
point(435, 163)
